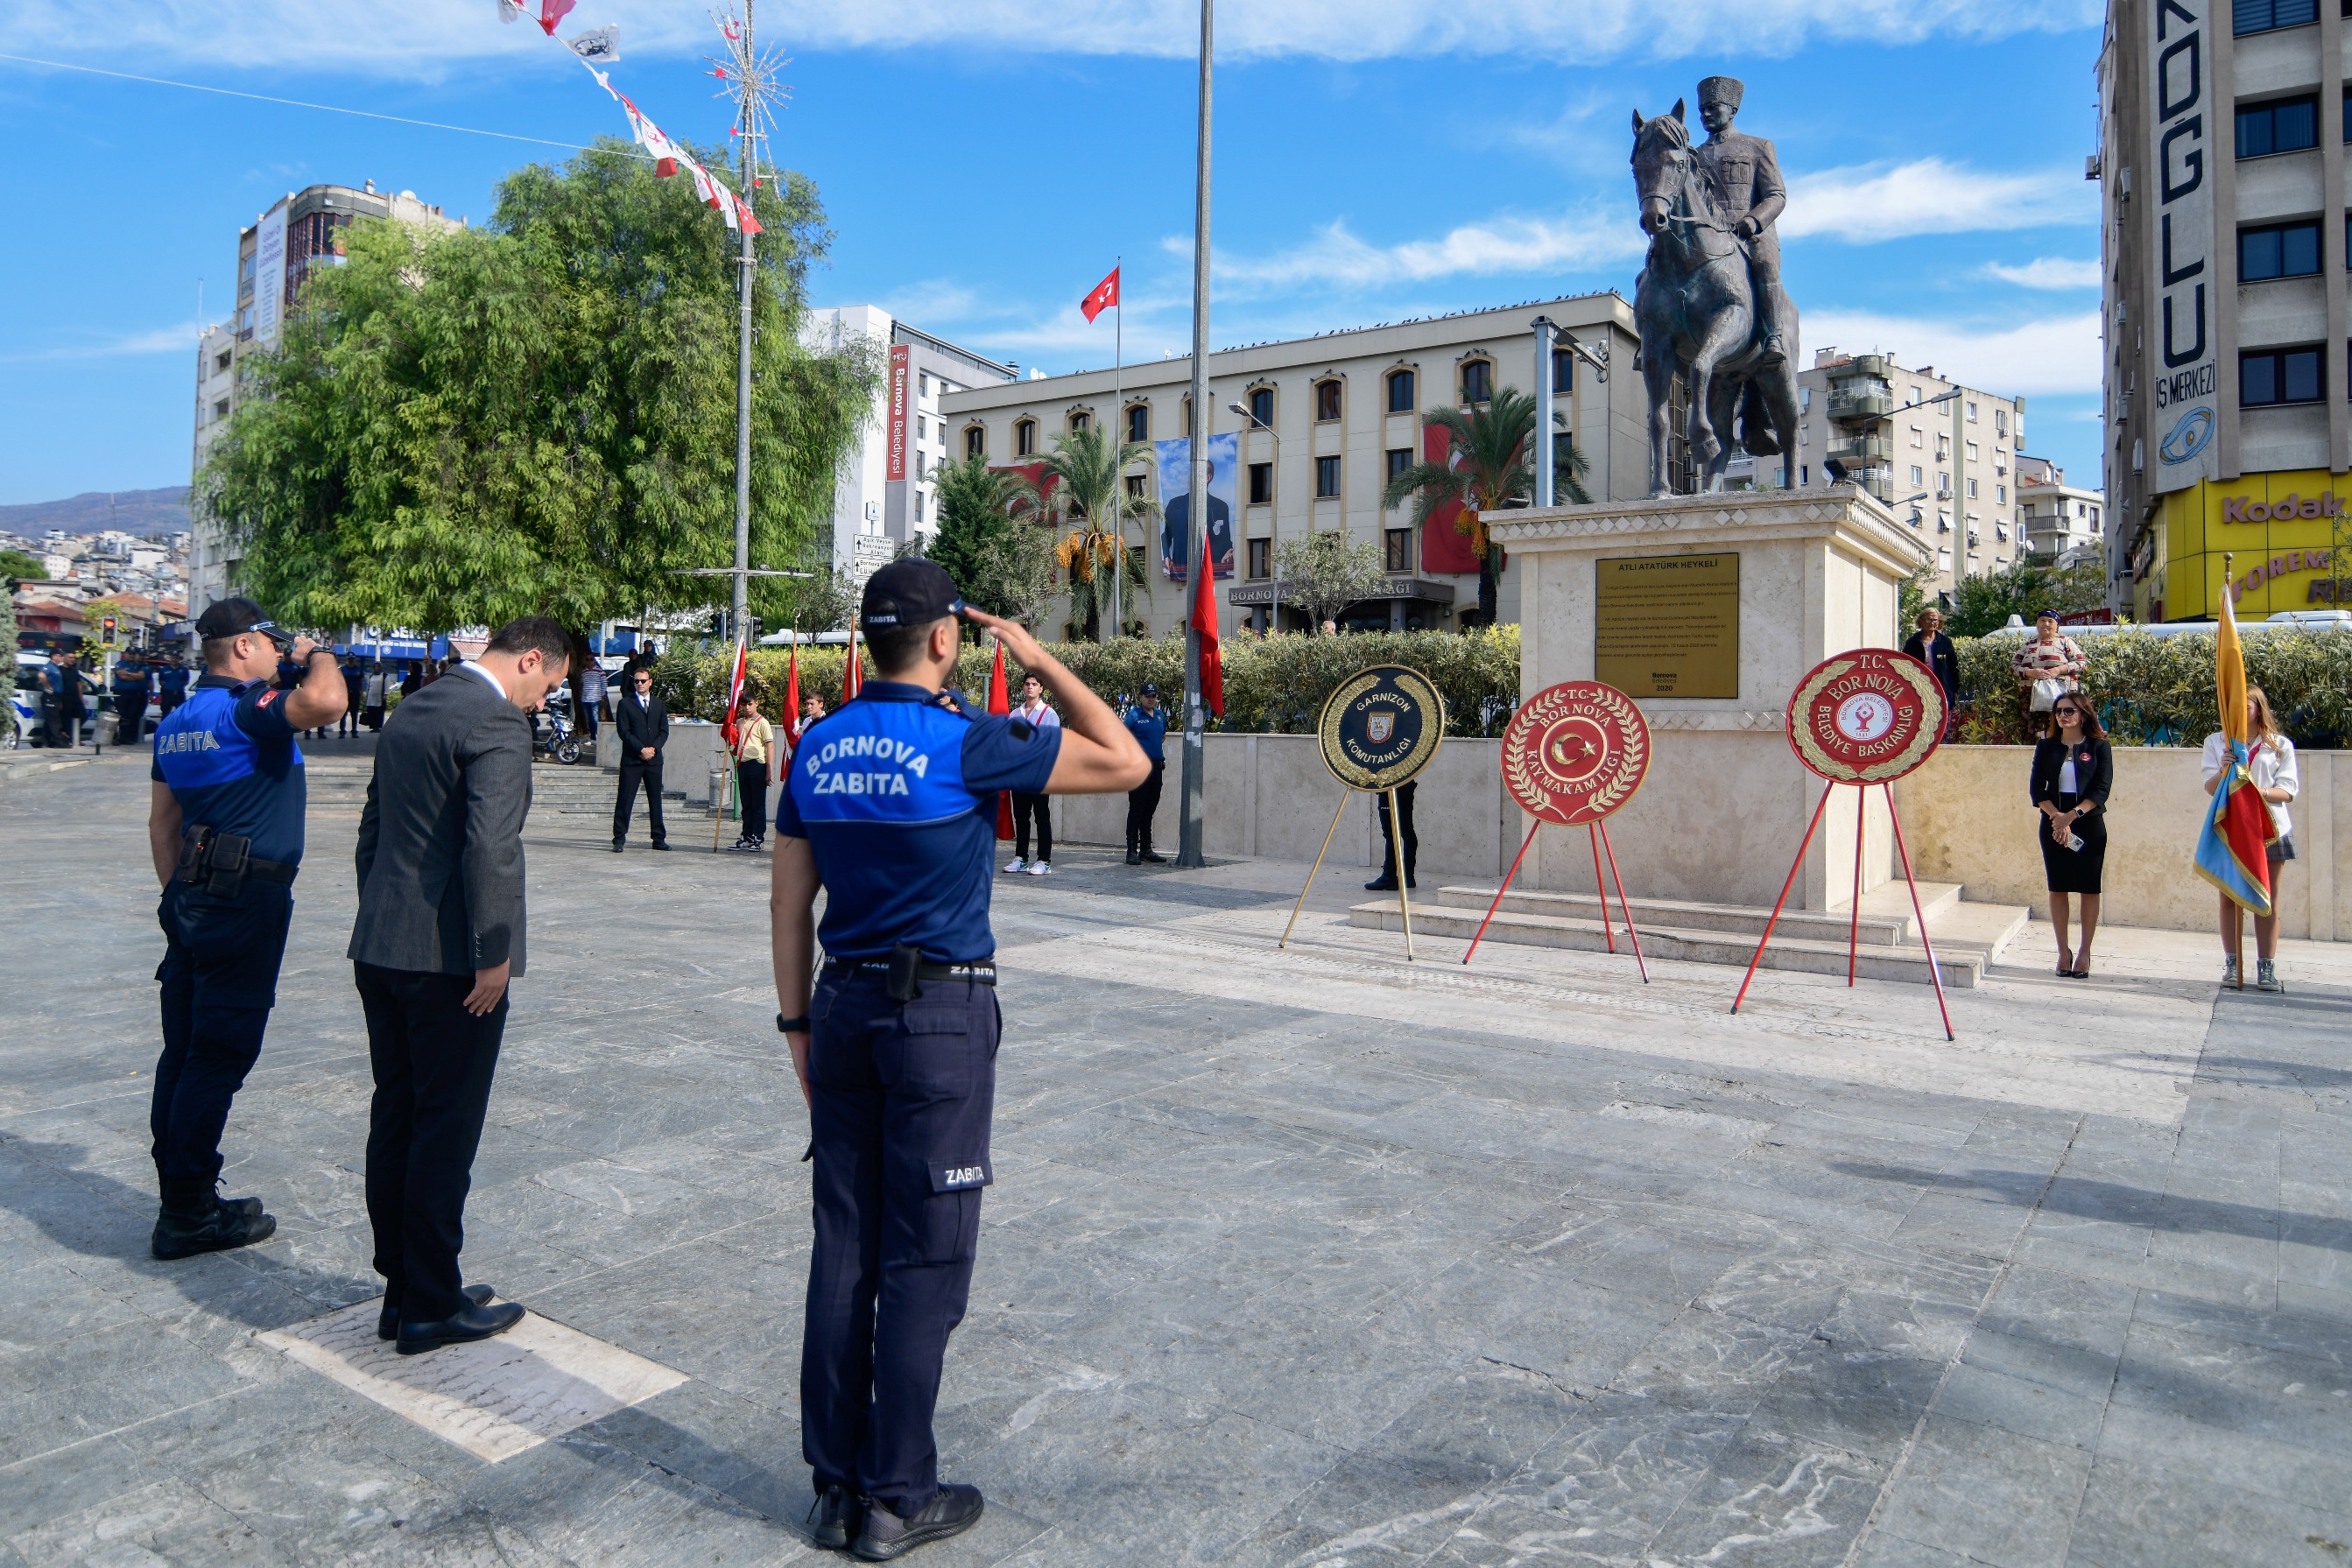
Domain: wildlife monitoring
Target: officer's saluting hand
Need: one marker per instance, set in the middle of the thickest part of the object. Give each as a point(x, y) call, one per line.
point(890, 806)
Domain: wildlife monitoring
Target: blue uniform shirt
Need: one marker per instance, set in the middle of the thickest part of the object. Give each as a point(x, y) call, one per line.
point(228, 756)
point(896, 794)
point(1150, 729)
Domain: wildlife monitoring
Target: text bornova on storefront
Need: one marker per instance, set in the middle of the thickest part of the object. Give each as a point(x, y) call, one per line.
point(2281, 528)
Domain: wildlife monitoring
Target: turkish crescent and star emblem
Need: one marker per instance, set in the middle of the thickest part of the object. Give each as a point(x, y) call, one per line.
point(1575, 752)
point(1866, 718)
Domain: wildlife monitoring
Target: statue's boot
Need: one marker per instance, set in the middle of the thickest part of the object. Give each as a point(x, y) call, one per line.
point(1773, 350)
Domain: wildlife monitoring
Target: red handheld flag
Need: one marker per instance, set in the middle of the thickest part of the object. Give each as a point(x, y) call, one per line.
point(792, 701)
point(1204, 621)
point(1000, 700)
point(1105, 295)
point(852, 675)
point(734, 700)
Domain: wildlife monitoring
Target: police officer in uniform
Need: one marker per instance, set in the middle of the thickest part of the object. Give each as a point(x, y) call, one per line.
point(890, 806)
point(225, 823)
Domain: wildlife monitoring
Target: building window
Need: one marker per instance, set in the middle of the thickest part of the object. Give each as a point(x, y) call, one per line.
point(1399, 555)
point(1326, 477)
point(1261, 491)
point(919, 506)
point(1973, 489)
point(1080, 422)
point(1400, 458)
point(1024, 438)
point(918, 468)
point(2278, 250)
point(1261, 407)
point(1400, 392)
point(1326, 402)
point(2001, 493)
point(1972, 411)
point(1804, 474)
point(1138, 423)
point(220, 362)
point(1915, 476)
point(2282, 125)
point(1563, 371)
point(2272, 376)
point(1135, 486)
point(2269, 16)
point(1972, 451)
point(2000, 421)
point(922, 428)
point(1261, 553)
point(1478, 381)
point(1916, 439)
point(975, 442)
point(220, 409)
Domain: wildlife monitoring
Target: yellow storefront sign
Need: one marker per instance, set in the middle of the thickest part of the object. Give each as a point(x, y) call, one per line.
point(2282, 530)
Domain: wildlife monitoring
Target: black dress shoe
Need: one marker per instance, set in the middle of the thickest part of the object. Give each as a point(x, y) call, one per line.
point(1155, 859)
point(954, 1509)
point(1134, 859)
point(230, 1224)
point(1381, 885)
point(831, 1515)
point(616, 846)
point(471, 1322)
point(661, 846)
point(387, 1321)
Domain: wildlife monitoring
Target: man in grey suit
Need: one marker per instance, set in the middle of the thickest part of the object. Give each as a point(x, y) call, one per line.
point(440, 933)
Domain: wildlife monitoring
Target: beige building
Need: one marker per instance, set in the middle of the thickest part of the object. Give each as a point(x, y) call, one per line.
point(2062, 522)
point(1944, 455)
point(2229, 433)
point(1330, 418)
point(300, 234)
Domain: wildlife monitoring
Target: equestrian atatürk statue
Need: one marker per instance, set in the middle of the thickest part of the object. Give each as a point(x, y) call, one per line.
point(1709, 302)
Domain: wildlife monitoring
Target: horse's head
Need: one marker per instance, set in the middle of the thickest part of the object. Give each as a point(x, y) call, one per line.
point(1662, 159)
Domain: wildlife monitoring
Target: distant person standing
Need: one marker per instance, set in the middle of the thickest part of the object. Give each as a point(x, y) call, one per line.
point(1932, 648)
point(2073, 770)
point(2270, 758)
point(172, 684)
point(375, 694)
point(644, 724)
point(591, 698)
point(2048, 665)
point(62, 706)
point(755, 741)
point(440, 934)
point(1149, 725)
point(130, 700)
point(355, 695)
point(412, 679)
point(1030, 809)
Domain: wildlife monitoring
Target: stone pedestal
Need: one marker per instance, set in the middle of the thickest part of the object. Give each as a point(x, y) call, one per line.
point(1725, 802)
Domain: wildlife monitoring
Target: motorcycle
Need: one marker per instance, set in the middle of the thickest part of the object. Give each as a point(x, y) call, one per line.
point(554, 735)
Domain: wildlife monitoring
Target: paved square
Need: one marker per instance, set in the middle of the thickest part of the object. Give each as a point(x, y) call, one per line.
point(1293, 1259)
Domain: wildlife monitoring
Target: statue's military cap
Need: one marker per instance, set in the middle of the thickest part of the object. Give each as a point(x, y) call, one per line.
point(1721, 89)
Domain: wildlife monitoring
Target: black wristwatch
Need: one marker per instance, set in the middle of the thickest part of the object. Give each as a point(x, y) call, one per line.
point(791, 1026)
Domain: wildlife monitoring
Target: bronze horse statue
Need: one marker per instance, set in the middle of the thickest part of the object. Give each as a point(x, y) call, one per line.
point(1695, 307)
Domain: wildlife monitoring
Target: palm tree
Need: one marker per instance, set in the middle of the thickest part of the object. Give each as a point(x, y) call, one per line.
point(1083, 476)
point(1487, 468)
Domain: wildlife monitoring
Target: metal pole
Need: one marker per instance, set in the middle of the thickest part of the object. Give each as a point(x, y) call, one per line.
point(1608, 932)
point(1854, 923)
point(1204, 418)
point(1633, 934)
point(741, 600)
point(1541, 438)
point(1117, 468)
point(1396, 870)
point(1504, 888)
point(1345, 796)
point(1935, 970)
point(1783, 899)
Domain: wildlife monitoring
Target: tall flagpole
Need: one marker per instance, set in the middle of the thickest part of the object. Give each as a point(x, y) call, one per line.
point(1117, 445)
point(742, 598)
point(1196, 542)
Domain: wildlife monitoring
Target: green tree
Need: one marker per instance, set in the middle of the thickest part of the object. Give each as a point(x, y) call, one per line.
point(1001, 561)
point(16, 567)
point(1326, 571)
point(539, 415)
point(1982, 603)
point(1081, 488)
point(1487, 467)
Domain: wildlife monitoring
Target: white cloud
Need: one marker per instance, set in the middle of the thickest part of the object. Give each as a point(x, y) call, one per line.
point(2047, 272)
point(155, 340)
point(1335, 256)
point(1872, 201)
point(424, 36)
point(2056, 355)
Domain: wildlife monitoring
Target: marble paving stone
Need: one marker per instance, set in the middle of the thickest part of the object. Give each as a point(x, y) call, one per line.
point(1995, 1496)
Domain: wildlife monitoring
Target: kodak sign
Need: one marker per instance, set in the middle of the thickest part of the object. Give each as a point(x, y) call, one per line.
point(2245, 510)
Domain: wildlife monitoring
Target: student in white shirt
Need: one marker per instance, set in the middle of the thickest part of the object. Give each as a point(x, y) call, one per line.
point(2270, 758)
point(1032, 809)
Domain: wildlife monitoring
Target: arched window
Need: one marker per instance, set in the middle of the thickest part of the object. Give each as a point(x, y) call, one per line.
point(975, 441)
point(1261, 407)
point(1024, 438)
point(1401, 391)
point(1327, 400)
point(1139, 422)
point(1477, 381)
point(1081, 420)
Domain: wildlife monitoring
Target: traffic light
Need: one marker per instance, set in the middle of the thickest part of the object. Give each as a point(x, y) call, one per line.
point(108, 624)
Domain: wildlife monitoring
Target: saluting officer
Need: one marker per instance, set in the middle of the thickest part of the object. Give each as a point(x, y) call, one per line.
point(890, 806)
point(225, 823)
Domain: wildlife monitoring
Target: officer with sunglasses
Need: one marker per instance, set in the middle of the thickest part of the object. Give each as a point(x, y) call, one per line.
point(224, 824)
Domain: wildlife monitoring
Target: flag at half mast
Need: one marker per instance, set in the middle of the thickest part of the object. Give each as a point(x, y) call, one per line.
point(2232, 848)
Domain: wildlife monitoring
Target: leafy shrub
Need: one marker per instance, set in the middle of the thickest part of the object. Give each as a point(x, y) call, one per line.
point(2158, 691)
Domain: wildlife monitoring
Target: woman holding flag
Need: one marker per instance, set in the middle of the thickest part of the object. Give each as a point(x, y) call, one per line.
point(2269, 774)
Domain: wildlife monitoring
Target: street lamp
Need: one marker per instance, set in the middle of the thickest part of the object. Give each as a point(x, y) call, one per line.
point(1274, 526)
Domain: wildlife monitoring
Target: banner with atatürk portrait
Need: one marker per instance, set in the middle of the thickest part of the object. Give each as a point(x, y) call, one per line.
point(2187, 124)
point(1382, 727)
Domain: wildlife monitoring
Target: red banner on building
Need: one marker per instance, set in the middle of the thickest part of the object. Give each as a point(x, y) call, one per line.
point(899, 353)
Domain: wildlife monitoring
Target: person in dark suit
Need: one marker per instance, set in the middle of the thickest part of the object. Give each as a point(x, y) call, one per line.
point(439, 934)
point(644, 724)
point(1932, 648)
point(2074, 769)
point(1176, 532)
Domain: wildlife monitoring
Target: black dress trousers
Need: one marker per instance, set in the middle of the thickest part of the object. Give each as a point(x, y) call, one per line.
point(432, 1062)
point(637, 771)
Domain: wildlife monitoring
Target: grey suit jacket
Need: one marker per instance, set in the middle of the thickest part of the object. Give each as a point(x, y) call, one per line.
point(440, 852)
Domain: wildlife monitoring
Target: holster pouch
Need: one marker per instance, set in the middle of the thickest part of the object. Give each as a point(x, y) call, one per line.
point(216, 861)
point(904, 983)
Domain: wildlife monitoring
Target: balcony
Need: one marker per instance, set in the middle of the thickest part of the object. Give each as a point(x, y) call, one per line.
point(1875, 365)
point(1864, 402)
point(1859, 449)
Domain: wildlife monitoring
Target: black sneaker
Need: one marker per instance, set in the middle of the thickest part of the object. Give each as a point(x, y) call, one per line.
point(954, 1509)
point(230, 1224)
point(831, 1515)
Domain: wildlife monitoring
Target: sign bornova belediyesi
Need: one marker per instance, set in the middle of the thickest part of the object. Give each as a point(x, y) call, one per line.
point(2181, 121)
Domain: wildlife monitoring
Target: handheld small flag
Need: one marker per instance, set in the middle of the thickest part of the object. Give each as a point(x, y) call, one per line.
point(1104, 295)
point(793, 700)
point(1000, 700)
point(2232, 848)
point(734, 700)
point(1204, 621)
point(852, 675)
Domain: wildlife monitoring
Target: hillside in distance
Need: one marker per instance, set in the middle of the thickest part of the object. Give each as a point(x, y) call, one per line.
point(146, 513)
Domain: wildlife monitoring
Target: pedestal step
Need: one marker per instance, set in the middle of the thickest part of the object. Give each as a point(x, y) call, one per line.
point(1885, 922)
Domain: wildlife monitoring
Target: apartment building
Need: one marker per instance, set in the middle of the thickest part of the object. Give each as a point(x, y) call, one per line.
point(2061, 522)
point(885, 494)
point(1323, 422)
point(2229, 431)
point(1942, 454)
point(304, 232)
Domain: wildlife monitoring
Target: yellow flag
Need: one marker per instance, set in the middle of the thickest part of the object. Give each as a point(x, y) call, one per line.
point(2230, 668)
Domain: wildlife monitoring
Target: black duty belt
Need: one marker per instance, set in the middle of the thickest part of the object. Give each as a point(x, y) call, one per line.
point(978, 973)
point(221, 861)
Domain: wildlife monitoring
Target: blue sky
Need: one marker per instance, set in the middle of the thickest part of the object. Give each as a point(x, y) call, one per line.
point(1376, 159)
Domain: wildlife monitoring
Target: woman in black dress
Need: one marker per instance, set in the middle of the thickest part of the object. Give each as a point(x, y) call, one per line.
point(2072, 771)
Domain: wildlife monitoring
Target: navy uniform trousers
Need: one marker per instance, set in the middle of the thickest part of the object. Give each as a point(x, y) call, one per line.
point(901, 1096)
point(220, 978)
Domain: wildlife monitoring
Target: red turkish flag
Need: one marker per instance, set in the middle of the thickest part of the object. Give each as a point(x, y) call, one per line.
point(551, 12)
point(1212, 662)
point(1105, 295)
point(1000, 700)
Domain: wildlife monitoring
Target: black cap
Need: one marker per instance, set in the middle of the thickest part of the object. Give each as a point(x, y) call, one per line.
point(912, 592)
point(1151, 689)
point(230, 618)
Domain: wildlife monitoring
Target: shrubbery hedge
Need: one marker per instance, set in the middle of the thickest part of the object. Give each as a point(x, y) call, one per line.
point(2158, 691)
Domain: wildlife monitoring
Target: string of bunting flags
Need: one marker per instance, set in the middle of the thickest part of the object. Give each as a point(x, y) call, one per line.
point(669, 157)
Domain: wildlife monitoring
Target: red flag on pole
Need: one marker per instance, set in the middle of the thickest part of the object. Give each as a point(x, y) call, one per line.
point(551, 12)
point(1105, 295)
point(852, 676)
point(792, 701)
point(1204, 621)
point(734, 699)
point(1000, 700)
